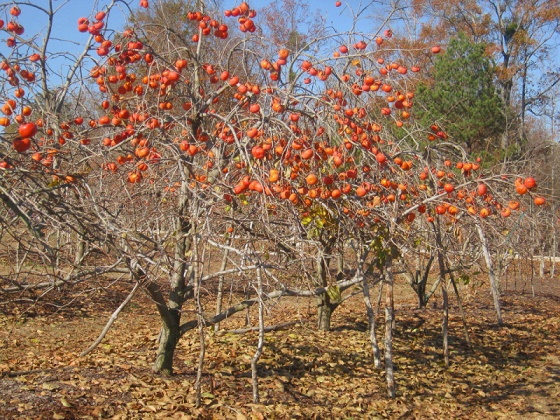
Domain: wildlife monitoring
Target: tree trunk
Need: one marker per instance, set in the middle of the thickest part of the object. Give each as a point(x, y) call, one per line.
point(461, 309)
point(419, 287)
point(553, 254)
point(494, 286)
point(445, 323)
point(198, 261)
point(324, 313)
point(170, 333)
point(423, 281)
point(421, 294)
point(418, 280)
point(219, 296)
point(168, 339)
point(339, 267)
point(260, 344)
point(80, 252)
point(389, 316)
point(371, 322)
point(442, 275)
point(327, 302)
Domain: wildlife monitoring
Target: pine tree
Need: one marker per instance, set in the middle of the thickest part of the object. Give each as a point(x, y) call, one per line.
point(463, 97)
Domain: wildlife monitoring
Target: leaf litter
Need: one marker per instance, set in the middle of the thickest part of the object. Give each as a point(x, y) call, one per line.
point(511, 372)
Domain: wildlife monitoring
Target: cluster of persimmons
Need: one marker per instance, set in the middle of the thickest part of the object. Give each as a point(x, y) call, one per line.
point(291, 128)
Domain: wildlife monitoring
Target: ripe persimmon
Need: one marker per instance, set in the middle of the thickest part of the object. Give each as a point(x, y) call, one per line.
point(27, 130)
point(481, 190)
point(448, 188)
point(539, 201)
point(530, 182)
point(520, 189)
point(22, 144)
point(311, 179)
point(484, 212)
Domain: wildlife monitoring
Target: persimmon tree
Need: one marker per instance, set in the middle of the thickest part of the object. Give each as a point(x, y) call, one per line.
point(38, 177)
point(205, 160)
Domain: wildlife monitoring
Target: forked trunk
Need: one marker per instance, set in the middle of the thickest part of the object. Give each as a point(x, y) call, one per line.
point(170, 311)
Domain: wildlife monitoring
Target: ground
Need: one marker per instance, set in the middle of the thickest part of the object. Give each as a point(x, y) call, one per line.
point(511, 372)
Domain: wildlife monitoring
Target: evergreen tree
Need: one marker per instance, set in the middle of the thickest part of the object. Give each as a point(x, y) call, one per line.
point(463, 97)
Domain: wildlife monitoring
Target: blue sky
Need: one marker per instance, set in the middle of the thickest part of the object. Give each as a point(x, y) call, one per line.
point(338, 17)
point(66, 38)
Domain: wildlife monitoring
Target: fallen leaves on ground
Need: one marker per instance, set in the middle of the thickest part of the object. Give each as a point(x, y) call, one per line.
point(510, 372)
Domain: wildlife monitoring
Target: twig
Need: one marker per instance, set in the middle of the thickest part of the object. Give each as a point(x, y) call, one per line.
point(189, 325)
point(111, 321)
point(267, 328)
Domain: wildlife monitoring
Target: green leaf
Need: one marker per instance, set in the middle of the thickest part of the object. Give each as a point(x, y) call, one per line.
point(465, 279)
point(313, 233)
point(334, 293)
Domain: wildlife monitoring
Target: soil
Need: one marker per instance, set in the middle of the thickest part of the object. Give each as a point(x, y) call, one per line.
point(509, 372)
